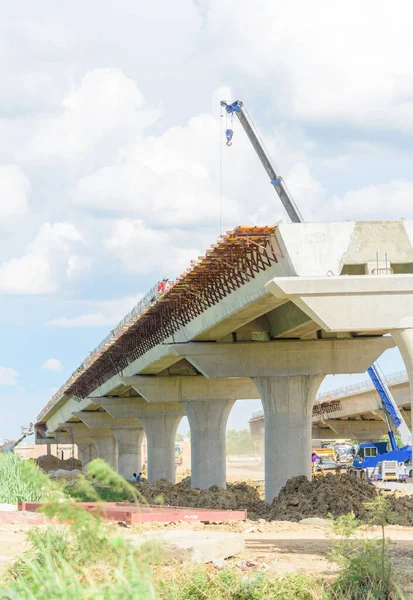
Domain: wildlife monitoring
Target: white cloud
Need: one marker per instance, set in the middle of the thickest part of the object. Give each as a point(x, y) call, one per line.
point(15, 191)
point(78, 265)
point(53, 237)
point(144, 250)
point(27, 275)
point(107, 108)
point(389, 200)
point(332, 64)
point(8, 376)
point(40, 270)
point(52, 364)
point(102, 313)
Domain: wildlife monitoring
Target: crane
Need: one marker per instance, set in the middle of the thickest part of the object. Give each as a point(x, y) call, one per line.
point(390, 408)
point(276, 180)
point(26, 431)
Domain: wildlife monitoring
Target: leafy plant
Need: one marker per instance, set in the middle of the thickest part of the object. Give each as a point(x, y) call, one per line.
point(367, 567)
point(21, 480)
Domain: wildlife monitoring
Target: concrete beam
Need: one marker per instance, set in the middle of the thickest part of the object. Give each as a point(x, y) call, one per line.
point(65, 411)
point(103, 420)
point(363, 303)
point(135, 408)
point(293, 357)
point(357, 430)
point(290, 321)
point(177, 389)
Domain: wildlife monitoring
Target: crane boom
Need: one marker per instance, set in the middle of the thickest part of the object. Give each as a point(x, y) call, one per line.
point(391, 410)
point(276, 180)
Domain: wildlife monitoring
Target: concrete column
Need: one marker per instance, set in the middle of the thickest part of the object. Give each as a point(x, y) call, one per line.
point(127, 432)
point(129, 442)
point(208, 422)
point(404, 341)
point(106, 446)
point(160, 430)
point(86, 451)
point(160, 422)
point(287, 404)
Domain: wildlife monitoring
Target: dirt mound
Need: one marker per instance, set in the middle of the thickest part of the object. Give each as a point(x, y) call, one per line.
point(336, 495)
point(297, 500)
point(51, 463)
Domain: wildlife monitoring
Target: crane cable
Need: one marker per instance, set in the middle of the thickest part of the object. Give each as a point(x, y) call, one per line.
point(220, 172)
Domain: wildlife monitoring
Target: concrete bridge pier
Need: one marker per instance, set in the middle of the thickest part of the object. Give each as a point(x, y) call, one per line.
point(86, 451)
point(80, 435)
point(160, 429)
point(129, 446)
point(207, 404)
point(287, 375)
point(124, 440)
point(159, 421)
point(287, 404)
point(106, 446)
point(208, 423)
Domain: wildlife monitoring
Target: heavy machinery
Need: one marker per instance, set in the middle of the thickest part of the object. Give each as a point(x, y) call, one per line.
point(374, 461)
point(369, 455)
point(26, 431)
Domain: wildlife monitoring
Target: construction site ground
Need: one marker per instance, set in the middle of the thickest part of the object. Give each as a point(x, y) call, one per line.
point(292, 535)
point(282, 547)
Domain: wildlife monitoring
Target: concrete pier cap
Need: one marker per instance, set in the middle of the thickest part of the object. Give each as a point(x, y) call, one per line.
point(207, 404)
point(283, 358)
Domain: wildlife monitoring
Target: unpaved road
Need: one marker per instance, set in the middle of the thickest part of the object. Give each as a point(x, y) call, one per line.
point(280, 546)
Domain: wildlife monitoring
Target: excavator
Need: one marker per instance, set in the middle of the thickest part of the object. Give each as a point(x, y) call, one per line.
point(373, 461)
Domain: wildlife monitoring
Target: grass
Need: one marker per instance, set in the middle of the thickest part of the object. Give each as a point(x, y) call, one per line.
point(86, 559)
point(201, 583)
point(21, 480)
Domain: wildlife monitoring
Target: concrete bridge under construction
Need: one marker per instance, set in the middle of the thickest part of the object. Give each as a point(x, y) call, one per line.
point(353, 412)
point(266, 313)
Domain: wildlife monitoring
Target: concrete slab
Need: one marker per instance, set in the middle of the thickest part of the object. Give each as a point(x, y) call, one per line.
point(193, 546)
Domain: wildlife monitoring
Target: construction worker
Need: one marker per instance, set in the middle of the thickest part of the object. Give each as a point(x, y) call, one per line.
point(314, 458)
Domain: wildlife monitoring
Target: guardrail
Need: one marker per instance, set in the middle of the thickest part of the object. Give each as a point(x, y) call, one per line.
point(150, 297)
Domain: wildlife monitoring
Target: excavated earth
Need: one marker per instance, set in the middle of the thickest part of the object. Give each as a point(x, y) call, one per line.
point(298, 499)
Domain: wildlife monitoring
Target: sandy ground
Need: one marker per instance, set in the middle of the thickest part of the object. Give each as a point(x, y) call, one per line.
point(279, 546)
point(282, 546)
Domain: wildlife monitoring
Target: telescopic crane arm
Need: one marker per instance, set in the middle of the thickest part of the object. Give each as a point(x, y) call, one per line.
point(392, 413)
point(276, 180)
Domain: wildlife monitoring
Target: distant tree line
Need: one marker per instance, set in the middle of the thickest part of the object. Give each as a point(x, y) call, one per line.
point(239, 442)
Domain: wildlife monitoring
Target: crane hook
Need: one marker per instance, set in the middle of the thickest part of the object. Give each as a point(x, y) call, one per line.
point(229, 133)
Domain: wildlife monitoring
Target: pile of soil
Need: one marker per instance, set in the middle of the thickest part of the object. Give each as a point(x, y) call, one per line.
point(297, 500)
point(237, 495)
point(51, 463)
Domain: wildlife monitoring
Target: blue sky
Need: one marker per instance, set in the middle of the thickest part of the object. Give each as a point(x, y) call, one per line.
point(110, 153)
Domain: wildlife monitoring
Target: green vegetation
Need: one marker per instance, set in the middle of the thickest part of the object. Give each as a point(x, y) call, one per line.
point(21, 480)
point(88, 559)
point(200, 583)
point(239, 442)
point(367, 572)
